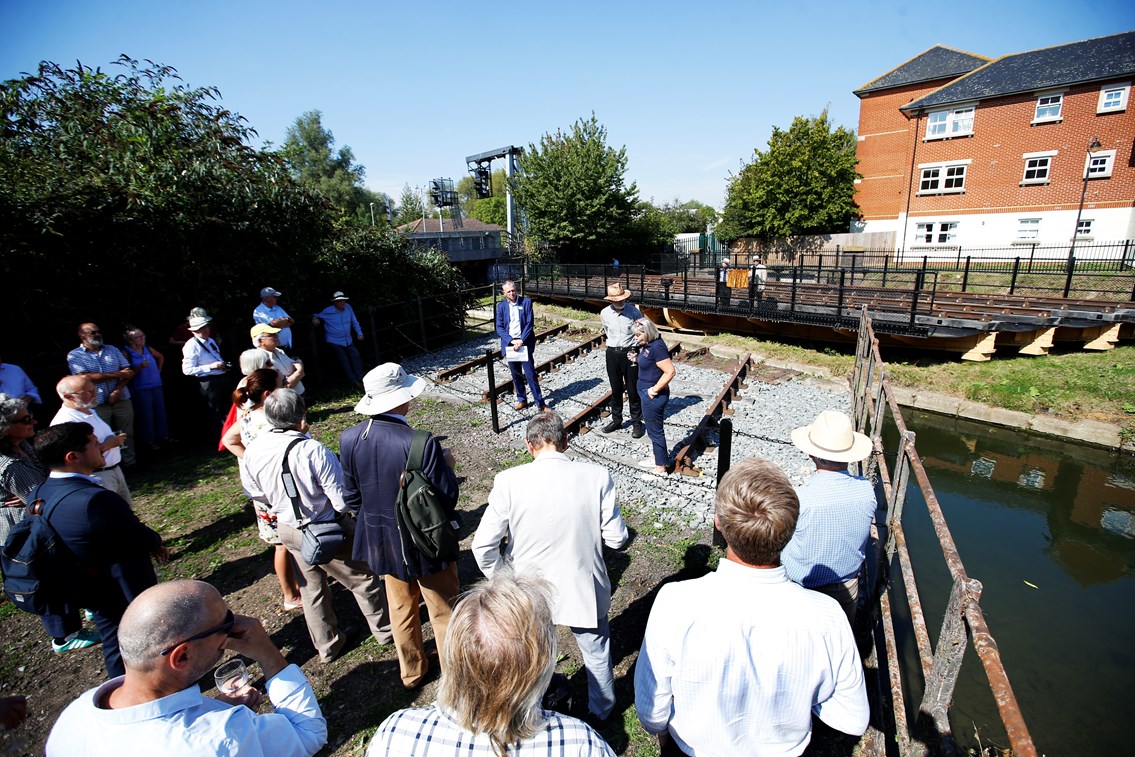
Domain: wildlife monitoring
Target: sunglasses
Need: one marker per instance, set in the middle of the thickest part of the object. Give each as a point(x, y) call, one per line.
point(229, 620)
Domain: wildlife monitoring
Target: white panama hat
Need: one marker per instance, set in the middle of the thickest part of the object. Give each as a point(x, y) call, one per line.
point(387, 387)
point(831, 437)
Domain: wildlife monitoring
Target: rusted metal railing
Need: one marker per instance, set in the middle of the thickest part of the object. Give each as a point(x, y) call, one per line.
point(873, 402)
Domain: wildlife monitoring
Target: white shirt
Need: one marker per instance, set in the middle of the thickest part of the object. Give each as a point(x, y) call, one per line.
point(103, 432)
point(619, 325)
point(514, 319)
point(197, 355)
point(736, 662)
point(316, 470)
point(189, 723)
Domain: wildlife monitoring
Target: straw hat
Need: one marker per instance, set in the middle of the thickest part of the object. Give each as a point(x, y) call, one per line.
point(831, 437)
point(616, 293)
point(387, 387)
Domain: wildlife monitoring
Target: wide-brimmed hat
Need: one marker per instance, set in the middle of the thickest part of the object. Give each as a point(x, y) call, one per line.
point(270, 292)
point(335, 297)
point(387, 387)
point(260, 329)
point(831, 437)
point(616, 293)
point(199, 322)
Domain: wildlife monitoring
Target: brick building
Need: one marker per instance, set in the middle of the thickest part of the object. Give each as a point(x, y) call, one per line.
point(960, 151)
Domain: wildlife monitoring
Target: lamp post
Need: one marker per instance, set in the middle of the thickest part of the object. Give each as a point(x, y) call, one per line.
point(1093, 147)
point(372, 214)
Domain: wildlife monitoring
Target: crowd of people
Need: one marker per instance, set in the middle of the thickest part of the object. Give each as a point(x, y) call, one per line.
point(735, 662)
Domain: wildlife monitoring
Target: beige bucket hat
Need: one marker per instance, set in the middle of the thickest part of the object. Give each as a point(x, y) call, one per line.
point(831, 437)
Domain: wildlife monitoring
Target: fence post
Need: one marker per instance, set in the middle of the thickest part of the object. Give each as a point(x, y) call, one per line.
point(886, 262)
point(948, 655)
point(1013, 280)
point(965, 276)
point(898, 491)
point(641, 282)
point(819, 267)
point(839, 299)
point(1032, 254)
point(1071, 273)
point(724, 453)
point(795, 277)
point(492, 390)
point(686, 282)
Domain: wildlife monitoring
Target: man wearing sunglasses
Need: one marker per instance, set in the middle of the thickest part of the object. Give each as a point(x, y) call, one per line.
point(171, 636)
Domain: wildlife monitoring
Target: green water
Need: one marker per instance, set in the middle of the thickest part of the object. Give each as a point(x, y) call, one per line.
point(1028, 512)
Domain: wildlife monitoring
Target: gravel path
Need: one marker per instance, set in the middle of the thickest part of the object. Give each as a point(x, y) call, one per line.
point(764, 416)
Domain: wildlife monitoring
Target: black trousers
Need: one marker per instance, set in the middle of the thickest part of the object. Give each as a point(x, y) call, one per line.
point(623, 376)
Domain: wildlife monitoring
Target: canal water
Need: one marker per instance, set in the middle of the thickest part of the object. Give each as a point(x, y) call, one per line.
point(1049, 530)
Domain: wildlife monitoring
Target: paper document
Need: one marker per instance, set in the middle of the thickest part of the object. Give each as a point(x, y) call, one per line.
point(513, 355)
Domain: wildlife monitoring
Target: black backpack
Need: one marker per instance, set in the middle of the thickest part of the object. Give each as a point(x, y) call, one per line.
point(422, 515)
point(33, 560)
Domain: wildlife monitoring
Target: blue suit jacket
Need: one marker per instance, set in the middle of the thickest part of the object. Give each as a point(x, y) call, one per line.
point(374, 455)
point(527, 331)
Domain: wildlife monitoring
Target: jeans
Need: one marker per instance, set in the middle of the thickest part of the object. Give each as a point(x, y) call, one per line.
point(653, 411)
point(351, 361)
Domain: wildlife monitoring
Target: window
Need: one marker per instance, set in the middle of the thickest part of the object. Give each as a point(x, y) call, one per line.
point(1028, 228)
point(1048, 108)
point(950, 123)
point(1099, 164)
point(936, 233)
point(1113, 98)
point(943, 178)
point(1036, 170)
point(1084, 227)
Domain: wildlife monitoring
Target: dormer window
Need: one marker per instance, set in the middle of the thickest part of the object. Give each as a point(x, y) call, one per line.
point(944, 124)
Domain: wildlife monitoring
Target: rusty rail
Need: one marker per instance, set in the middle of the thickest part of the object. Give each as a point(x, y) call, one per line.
point(471, 365)
point(963, 621)
point(578, 425)
point(549, 365)
point(684, 460)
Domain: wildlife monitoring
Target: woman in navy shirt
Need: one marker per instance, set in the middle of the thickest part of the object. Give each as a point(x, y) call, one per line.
point(146, 389)
point(655, 371)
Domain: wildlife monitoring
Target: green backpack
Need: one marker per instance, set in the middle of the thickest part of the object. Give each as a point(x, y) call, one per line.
point(423, 517)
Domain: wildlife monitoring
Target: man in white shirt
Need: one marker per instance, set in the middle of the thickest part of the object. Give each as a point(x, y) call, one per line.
point(172, 635)
point(270, 313)
point(558, 514)
point(738, 661)
point(318, 479)
point(622, 372)
point(79, 400)
point(201, 359)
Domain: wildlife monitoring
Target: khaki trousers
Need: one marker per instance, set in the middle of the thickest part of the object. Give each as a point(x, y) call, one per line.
point(355, 575)
point(844, 592)
point(439, 591)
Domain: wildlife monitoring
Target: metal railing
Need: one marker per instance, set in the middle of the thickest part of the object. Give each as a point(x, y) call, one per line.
point(873, 403)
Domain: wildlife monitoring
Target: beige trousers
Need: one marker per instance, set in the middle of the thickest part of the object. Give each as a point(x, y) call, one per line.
point(439, 591)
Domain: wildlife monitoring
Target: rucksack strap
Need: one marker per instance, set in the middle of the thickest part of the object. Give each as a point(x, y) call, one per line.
point(417, 450)
point(289, 481)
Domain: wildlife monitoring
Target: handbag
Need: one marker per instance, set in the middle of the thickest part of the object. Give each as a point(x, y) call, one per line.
point(321, 541)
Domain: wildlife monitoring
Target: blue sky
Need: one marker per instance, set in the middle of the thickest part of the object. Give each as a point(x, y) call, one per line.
point(690, 88)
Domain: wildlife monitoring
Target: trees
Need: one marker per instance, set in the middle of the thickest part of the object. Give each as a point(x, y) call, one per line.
point(572, 191)
point(410, 206)
point(803, 184)
point(309, 149)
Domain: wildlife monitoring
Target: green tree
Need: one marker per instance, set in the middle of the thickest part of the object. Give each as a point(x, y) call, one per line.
point(309, 149)
point(410, 206)
point(803, 184)
point(573, 194)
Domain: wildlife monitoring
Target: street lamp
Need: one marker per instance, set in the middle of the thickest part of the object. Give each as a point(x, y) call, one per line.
point(1093, 147)
point(372, 214)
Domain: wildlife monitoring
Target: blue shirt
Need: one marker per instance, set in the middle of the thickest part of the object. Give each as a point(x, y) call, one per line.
point(147, 377)
point(265, 314)
point(106, 360)
point(338, 326)
point(648, 370)
point(836, 511)
point(15, 383)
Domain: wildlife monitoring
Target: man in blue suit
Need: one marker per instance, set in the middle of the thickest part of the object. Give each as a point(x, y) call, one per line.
point(107, 547)
point(515, 327)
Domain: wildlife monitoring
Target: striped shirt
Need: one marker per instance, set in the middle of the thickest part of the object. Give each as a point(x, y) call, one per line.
point(830, 542)
point(429, 732)
point(106, 359)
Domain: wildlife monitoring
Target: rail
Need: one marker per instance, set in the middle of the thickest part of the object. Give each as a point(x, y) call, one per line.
point(873, 403)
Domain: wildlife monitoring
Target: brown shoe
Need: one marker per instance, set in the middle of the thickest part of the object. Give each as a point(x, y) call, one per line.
point(520, 406)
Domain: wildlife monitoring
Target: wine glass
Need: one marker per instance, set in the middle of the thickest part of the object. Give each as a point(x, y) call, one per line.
point(231, 677)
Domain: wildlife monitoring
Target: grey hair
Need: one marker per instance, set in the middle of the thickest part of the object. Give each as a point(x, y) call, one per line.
point(499, 656)
point(130, 334)
point(648, 329)
point(171, 617)
point(10, 407)
point(545, 428)
point(284, 408)
point(506, 282)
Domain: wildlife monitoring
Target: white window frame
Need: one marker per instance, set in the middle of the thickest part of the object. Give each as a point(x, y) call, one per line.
point(940, 233)
point(949, 172)
point(1048, 101)
point(1106, 160)
point(954, 122)
point(1084, 228)
point(1124, 90)
point(1036, 161)
point(1028, 229)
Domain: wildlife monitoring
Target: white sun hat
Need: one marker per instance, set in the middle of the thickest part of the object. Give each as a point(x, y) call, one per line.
point(387, 387)
point(831, 437)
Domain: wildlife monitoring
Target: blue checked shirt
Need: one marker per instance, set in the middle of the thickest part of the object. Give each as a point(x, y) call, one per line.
point(428, 732)
point(836, 511)
point(107, 360)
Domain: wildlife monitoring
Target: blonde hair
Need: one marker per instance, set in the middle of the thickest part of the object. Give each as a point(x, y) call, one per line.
point(648, 329)
point(757, 508)
point(499, 656)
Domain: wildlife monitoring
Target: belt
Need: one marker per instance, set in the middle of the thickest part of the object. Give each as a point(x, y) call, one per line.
point(109, 467)
point(628, 347)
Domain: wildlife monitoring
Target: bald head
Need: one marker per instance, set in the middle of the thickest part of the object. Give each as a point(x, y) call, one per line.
point(164, 615)
point(77, 392)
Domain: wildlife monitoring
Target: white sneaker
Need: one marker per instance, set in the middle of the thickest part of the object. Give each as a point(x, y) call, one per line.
point(647, 462)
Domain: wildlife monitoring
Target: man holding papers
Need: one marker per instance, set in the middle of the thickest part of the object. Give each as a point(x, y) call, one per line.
point(515, 327)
